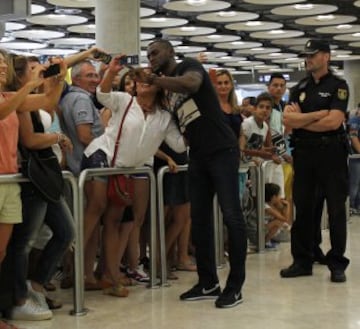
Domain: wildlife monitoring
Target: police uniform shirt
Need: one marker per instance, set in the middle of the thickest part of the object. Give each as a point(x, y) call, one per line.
point(330, 92)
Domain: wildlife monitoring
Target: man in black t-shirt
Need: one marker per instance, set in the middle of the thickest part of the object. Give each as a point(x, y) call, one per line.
point(213, 168)
point(316, 113)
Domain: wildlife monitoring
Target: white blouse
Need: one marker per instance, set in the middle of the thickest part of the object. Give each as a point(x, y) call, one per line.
point(140, 137)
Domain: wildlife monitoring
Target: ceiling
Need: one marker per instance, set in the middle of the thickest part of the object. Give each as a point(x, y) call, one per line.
point(243, 35)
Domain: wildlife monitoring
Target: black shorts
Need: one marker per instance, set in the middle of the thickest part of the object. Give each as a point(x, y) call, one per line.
point(176, 189)
point(96, 160)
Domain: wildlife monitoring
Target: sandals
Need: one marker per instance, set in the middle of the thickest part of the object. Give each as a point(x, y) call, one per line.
point(6, 325)
point(116, 291)
point(188, 267)
point(53, 303)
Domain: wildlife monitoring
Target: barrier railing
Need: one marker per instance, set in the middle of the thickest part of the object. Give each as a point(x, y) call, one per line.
point(84, 175)
point(161, 219)
point(19, 178)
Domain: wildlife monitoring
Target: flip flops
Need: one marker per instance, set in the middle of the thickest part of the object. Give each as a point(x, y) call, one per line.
point(116, 291)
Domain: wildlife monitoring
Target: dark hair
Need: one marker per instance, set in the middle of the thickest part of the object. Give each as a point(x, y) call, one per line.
point(264, 97)
point(252, 100)
point(19, 66)
point(130, 73)
point(271, 190)
point(276, 76)
point(163, 42)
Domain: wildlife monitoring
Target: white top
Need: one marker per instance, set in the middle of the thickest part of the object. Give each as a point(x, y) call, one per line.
point(140, 137)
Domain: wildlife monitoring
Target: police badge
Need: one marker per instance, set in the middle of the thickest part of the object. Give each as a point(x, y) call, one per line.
point(302, 96)
point(342, 94)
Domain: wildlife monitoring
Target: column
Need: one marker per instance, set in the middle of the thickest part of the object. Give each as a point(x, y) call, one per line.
point(118, 26)
point(352, 76)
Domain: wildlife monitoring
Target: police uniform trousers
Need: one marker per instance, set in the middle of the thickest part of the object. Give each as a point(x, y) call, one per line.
point(320, 163)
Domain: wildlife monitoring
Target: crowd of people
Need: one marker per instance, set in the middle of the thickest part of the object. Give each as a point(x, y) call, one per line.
point(175, 113)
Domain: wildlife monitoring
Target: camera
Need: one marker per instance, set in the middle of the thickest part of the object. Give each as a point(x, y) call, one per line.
point(52, 70)
point(105, 58)
point(129, 60)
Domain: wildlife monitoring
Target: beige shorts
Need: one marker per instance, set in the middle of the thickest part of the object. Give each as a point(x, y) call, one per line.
point(10, 204)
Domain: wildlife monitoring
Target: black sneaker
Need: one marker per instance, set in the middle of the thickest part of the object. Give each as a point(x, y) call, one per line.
point(295, 270)
point(337, 276)
point(229, 298)
point(199, 292)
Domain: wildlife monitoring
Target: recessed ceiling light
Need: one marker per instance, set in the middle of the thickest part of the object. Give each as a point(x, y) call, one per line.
point(158, 19)
point(67, 11)
point(236, 43)
point(254, 23)
point(275, 54)
point(214, 36)
point(304, 7)
point(277, 31)
point(188, 28)
point(257, 49)
point(342, 56)
point(344, 26)
point(356, 35)
point(37, 9)
point(196, 2)
point(183, 47)
point(325, 17)
point(227, 13)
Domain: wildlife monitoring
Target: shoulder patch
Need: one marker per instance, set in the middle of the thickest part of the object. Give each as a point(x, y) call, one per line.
point(342, 94)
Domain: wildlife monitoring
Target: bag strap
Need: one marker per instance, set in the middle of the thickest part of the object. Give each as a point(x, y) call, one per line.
point(117, 142)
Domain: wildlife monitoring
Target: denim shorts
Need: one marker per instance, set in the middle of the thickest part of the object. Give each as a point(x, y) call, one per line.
point(96, 160)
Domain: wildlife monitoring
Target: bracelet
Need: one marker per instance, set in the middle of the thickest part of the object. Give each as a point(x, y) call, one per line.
point(60, 138)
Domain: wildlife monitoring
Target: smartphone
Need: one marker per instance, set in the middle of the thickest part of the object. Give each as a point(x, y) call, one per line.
point(105, 58)
point(52, 70)
point(129, 60)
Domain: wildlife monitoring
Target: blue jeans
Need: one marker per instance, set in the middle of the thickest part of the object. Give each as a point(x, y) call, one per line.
point(36, 212)
point(354, 173)
point(218, 174)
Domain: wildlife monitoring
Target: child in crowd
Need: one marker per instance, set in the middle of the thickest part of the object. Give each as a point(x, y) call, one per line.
point(277, 213)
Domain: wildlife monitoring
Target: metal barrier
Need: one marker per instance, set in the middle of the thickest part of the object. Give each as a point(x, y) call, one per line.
point(161, 219)
point(79, 259)
point(19, 178)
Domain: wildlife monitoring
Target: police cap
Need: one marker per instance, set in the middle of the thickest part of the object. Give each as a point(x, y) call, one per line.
point(313, 46)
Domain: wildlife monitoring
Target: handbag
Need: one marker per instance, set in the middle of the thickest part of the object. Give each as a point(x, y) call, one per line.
point(42, 168)
point(120, 189)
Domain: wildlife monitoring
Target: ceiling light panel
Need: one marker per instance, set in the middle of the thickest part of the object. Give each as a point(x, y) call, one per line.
point(83, 29)
point(73, 3)
point(37, 34)
point(276, 34)
point(325, 20)
point(237, 45)
point(188, 31)
point(227, 16)
point(161, 22)
point(272, 2)
point(55, 51)
point(303, 9)
point(342, 28)
point(54, 20)
point(251, 26)
point(72, 42)
point(214, 38)
point(22, 45)
point(196, 5)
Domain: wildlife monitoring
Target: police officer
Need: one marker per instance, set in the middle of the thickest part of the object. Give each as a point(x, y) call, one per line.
point(316, 113)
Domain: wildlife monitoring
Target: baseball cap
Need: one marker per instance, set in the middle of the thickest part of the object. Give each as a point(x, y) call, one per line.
point(313, 46)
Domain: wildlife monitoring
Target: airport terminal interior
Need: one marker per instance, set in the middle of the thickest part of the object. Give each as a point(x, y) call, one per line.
point(253, 39)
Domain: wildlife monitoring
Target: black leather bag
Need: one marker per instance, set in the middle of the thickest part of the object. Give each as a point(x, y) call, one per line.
point(42, 168)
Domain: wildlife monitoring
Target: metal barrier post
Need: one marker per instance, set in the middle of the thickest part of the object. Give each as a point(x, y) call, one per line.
point(79, 265)
point(260, 191)
point(78, 292)
point(161, 220)
point(216, 230)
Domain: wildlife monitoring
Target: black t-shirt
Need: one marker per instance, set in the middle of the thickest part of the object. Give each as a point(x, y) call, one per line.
point(234, 121)
point(199, 115)
point(330, 92)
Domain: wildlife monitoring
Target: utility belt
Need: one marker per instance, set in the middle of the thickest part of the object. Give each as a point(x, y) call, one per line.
point(320, 141)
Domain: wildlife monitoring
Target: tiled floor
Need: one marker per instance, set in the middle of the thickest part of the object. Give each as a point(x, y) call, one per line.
point(270, 302)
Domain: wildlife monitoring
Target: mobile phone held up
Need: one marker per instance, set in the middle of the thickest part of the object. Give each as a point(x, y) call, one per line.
point(105, 58)
point(52, 70)
point(129, 60)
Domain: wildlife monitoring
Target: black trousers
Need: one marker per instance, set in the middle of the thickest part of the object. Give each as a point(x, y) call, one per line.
point(321, 166)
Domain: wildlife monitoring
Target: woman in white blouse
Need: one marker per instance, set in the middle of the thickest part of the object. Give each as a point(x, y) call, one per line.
point(146, 125)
